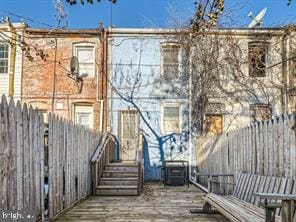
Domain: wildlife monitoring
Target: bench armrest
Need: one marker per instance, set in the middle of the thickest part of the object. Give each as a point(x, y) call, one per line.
point(275, 196)
point(213, 175)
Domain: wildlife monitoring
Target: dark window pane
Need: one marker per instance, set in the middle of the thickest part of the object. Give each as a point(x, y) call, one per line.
point(170, 61)
point(257, 59)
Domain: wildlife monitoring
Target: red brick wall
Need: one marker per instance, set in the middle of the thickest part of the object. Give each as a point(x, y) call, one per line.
point(38, 75)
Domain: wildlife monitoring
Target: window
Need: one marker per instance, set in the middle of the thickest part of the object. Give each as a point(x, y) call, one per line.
point(260, 112)
point(84, 115)
point(3, 58)
point(170, 61)
point(86, 59)
point(44, 113)
point(257, 59)
point(171, 118)
point(213, 123)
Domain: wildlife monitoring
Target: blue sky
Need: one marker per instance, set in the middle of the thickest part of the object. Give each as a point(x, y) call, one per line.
point(143, 13)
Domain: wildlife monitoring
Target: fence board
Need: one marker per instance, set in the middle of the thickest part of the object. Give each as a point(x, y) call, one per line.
point(19, 155)
point(4, 154)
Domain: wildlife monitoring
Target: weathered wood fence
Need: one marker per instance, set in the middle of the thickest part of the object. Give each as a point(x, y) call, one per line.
point(25, 163)
point(70, 149)
point(265, 148)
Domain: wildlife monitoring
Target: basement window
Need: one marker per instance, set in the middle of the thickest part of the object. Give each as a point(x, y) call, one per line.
point(257, 59)
point(3, 58)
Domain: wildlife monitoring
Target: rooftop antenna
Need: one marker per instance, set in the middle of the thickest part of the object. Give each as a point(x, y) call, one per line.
point(257, 20)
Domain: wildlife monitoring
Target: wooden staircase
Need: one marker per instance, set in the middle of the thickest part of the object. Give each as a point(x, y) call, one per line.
point(120, 179)
point(111, 178)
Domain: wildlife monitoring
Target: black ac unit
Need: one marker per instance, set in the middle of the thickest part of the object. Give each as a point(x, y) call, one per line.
point(175, 172)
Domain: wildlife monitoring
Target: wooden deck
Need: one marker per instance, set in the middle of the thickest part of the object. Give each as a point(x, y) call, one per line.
point(155, 204)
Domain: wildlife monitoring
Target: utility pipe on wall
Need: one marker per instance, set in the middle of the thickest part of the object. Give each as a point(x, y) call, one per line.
point(12, 59)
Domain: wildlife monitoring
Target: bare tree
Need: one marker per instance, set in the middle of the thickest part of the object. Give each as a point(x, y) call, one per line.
point(227, 70)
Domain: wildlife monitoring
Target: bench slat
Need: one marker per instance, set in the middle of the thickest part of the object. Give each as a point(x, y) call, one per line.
point(256, 210)
point(281, 190)
point(256, 188)
point(238, 183)
point(248, 187)
point(227, 207)
point(221, 209)
point(240, 188)
point(267, 184)
point(260, 189)
point(252, 187)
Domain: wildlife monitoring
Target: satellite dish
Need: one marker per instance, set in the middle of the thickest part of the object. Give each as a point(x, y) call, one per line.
point(257, 20)
point(74, 66)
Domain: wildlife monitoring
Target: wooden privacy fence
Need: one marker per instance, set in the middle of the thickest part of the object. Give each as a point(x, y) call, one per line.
point(264, 148)
point(25, 163)
point(21, 158)
point(70, 149)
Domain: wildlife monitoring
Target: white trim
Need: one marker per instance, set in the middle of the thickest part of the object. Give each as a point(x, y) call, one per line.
point(86, 108)
point(169, 104)
point(78, 45)
point(8, 58)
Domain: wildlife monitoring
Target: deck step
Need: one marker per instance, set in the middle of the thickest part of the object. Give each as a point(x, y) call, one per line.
point(122, 167)
point(119, 174)
point(113, 181)
point(103, 190)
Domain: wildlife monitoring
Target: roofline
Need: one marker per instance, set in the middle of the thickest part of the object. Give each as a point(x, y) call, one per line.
point(19, 25)
point(239, 31)
point(156, 31)
point(144, 30)
point(64, 31)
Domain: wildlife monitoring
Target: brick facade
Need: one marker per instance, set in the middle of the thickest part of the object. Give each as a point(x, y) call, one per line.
point(46, 82)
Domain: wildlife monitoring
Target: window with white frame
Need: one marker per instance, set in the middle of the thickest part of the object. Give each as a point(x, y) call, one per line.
point(84, 115)
point(86, 59)
point(4, 58)
point(170, 61)
point(171, 118)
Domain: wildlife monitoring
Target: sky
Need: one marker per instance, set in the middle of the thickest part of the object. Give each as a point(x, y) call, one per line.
point(141, 13)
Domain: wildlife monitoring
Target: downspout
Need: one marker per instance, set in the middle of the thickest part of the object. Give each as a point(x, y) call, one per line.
point(190, 113)
point(285, 74)
point(54, 77)
point(108, 87)
point(103, 102)
point(12, 59)
point(103, 86)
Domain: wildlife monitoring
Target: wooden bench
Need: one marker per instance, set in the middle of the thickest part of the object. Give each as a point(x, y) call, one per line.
point(276, 196)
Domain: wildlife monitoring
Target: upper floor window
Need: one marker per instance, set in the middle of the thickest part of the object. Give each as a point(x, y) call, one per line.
point(3, 58)
point(171, 118)
point(257, 59)
point(260, 112)
point(213, 123)
point(86, 59)
point(170, 54)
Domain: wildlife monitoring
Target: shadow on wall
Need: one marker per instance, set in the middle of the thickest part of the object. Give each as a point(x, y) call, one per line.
point(151, 172)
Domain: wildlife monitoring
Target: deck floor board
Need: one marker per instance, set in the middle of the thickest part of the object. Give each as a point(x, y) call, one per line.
point(157, 203)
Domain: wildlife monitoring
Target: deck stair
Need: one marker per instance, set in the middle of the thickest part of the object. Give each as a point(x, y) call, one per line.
point(119, 179)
